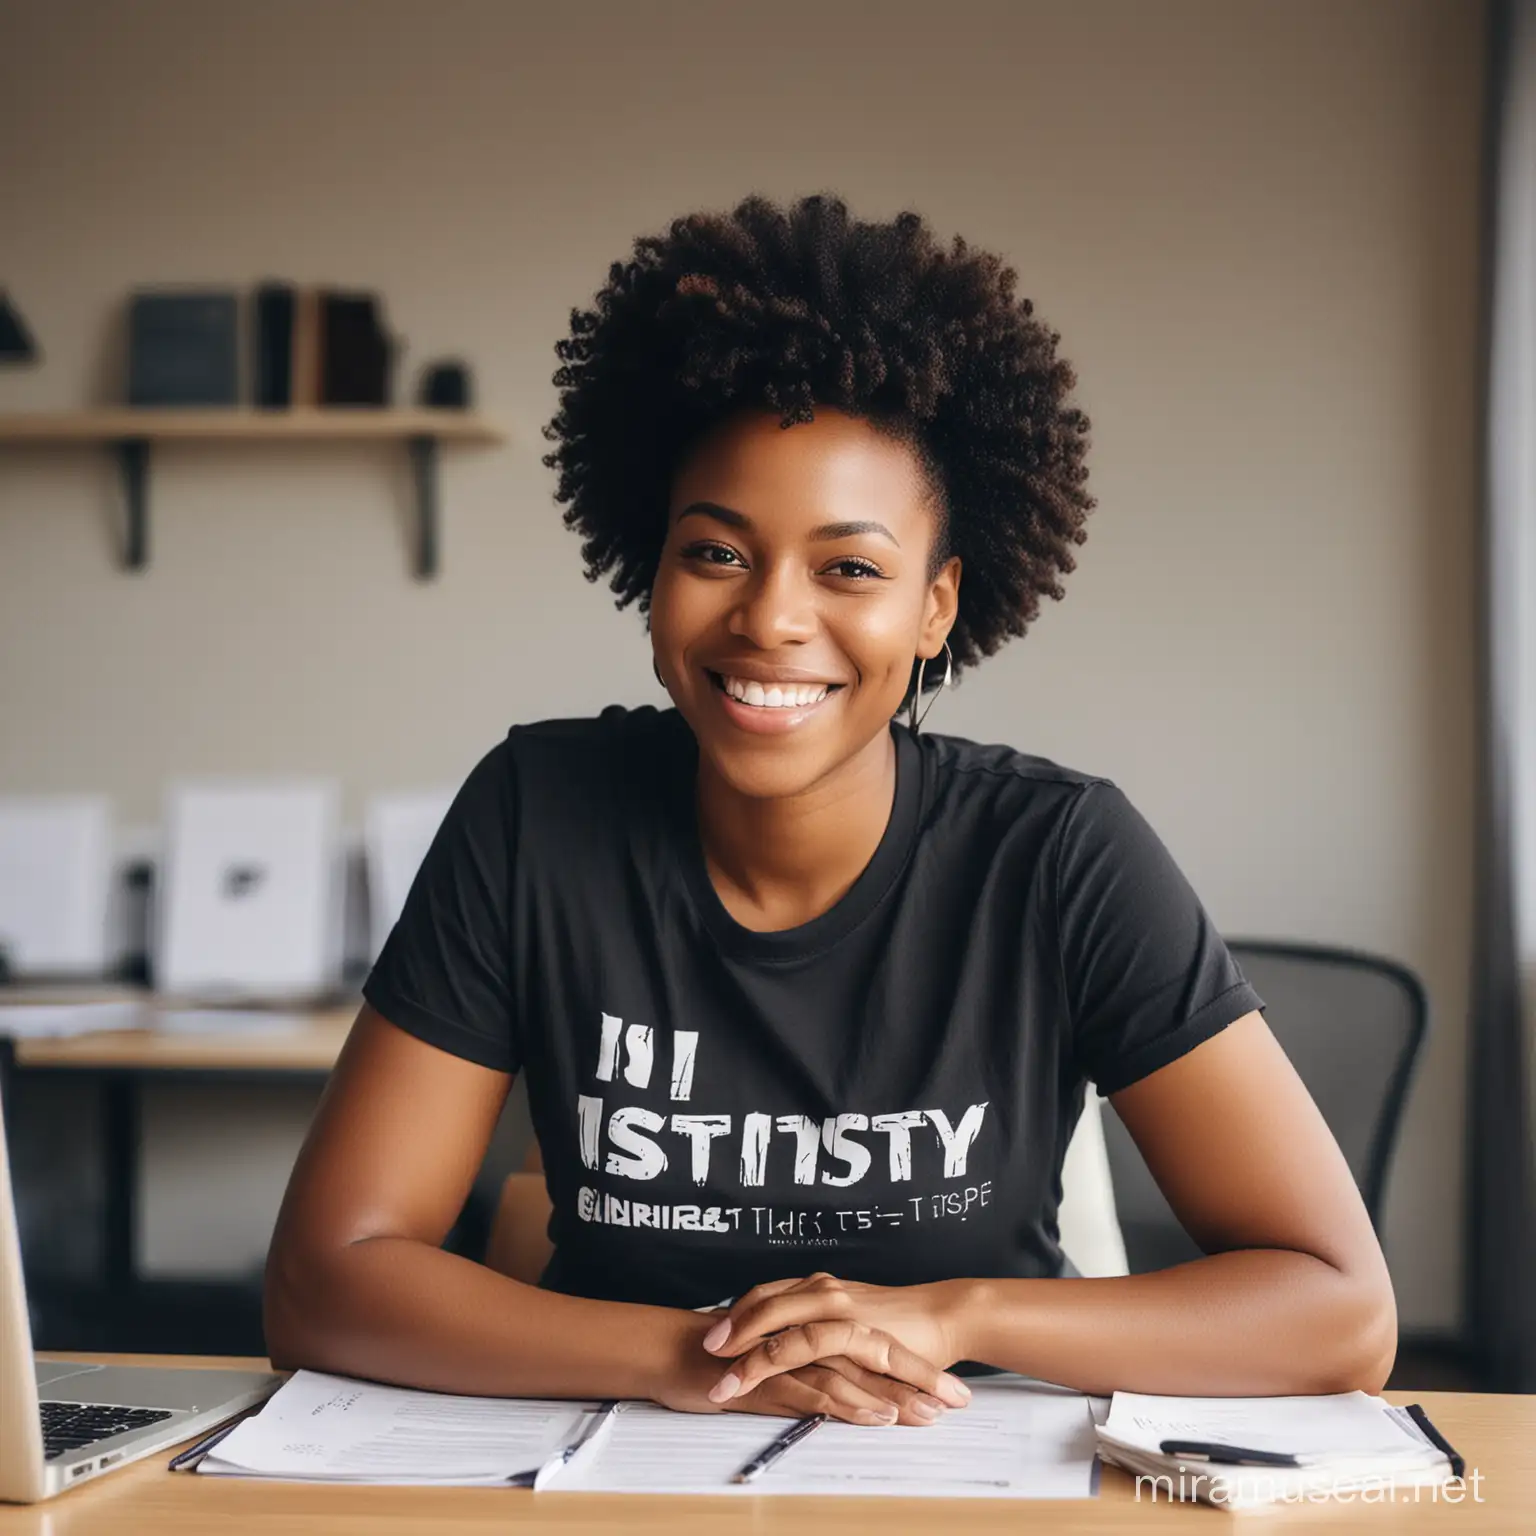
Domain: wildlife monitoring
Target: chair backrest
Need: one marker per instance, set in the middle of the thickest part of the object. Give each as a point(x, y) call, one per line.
point(1353, 1025)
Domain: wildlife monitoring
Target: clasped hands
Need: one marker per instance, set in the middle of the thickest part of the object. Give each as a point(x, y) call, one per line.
point(866, 1354)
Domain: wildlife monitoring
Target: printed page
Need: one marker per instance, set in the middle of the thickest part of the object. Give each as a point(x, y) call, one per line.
point(1334, 1425)
point(1014, 1440)
point(333, 1428)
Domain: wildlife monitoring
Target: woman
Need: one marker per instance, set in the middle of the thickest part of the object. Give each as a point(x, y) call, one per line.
point(807, 999)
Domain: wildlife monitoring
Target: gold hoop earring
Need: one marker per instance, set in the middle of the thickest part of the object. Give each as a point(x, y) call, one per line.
point(917, 692)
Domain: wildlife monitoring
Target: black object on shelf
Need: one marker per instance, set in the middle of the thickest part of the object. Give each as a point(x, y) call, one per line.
point(447, 385)
point(356, 355)
point(16, 343)
point(183, 348)
point(272, 336)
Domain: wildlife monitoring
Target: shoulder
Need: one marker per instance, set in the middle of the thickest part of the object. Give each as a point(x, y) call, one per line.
point(594, 759)
point(587, 739)
point(992, 801)
point(961, 771)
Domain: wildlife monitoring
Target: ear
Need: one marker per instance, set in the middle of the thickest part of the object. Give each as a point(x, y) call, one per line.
point(939, 609)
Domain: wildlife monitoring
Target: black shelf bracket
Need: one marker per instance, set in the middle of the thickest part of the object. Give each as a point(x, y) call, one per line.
point(424, 470)
point(133, 455)
point(133, 461)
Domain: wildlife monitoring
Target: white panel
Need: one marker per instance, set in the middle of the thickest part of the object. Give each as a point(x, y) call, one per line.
point(55, 874)
point(251, 904)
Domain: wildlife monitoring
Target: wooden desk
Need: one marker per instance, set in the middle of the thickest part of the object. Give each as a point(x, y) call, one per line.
point(310, 1045)
point(1497, 1435)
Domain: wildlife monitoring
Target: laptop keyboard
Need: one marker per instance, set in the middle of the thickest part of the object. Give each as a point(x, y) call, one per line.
point(73, 1426)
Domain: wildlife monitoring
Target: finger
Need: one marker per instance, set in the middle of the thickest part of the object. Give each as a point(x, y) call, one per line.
point(869, 1347)
point(745, 1306)
point(862, 1405)
point(912, 1406)
point(794, 1397)
point(788, 1309)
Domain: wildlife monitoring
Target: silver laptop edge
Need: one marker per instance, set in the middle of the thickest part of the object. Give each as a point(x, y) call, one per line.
point(195, 1399)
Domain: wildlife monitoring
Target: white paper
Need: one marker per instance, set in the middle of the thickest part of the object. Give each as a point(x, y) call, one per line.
point(55, 879)
point(398, 830)
point(1015, 1439)
point(1344, 1441)
point(331, 1428)
point(251, 904)
point(41, 1021)
point(1331, 1425)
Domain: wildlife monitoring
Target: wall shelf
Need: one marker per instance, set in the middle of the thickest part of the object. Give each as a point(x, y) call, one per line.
point(131, 433)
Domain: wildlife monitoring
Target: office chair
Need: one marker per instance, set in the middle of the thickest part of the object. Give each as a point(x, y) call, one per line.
point(1353, 1025)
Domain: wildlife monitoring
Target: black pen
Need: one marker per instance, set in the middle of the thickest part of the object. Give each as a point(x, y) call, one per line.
point(1232, 1455)
point(766, 1457)
point(190, 1457)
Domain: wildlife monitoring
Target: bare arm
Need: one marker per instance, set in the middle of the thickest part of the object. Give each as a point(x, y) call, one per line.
point(356, 1282)
point(1293, 1296)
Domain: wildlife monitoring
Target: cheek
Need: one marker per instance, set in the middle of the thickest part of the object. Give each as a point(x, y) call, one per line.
point(882, 641)
point(678, 610)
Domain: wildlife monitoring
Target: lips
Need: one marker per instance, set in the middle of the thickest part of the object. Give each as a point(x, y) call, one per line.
point(769, 717)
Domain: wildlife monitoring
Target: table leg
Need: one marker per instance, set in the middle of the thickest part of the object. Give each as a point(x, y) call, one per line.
point(120, 1168)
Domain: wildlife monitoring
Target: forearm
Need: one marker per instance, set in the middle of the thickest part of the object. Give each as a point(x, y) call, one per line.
point(394, 1309)
point(1252, 1322)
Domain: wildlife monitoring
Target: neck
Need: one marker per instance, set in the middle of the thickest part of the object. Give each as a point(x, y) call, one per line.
point(780, 863)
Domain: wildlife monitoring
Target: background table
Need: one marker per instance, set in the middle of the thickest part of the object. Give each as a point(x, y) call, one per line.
point(118, 1308)
point(1497, 1435)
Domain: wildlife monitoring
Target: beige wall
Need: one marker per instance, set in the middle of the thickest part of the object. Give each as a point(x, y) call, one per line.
point(1253, 223)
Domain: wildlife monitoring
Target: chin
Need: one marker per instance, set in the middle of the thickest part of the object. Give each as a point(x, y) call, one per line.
point(772, 771)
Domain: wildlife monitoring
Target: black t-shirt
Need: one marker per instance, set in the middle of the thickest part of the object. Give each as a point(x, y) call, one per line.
point(885, 1092)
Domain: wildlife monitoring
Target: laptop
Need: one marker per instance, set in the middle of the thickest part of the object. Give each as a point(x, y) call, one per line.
point(65, 1422)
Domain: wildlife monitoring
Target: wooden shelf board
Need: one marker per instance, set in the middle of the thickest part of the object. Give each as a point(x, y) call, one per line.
point(332, 424)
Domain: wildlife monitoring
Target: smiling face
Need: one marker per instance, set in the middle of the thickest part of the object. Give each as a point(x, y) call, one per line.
point(793, 594)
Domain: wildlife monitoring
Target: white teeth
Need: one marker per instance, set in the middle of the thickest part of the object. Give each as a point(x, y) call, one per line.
point(776, 696)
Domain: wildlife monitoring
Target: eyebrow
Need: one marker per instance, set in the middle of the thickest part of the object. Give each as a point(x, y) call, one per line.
point(823, 532)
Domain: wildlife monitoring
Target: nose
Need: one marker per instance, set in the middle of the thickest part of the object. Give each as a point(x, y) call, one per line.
point(777, 607)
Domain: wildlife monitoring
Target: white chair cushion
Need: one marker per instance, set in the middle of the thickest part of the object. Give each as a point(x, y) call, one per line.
point(1090, 1227)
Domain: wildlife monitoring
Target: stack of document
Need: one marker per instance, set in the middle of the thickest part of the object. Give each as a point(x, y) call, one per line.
point(319, 1428)
point(1015, 1439)
point(1246, 1451)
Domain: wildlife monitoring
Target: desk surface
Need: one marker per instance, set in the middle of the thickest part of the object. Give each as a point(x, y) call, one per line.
point(1497, 1435)
point(310, 1043)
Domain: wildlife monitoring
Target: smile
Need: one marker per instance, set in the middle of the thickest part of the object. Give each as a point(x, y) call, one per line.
point(772, 706)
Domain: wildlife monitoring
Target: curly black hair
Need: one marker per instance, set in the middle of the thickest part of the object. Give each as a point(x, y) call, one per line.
point(798, 307)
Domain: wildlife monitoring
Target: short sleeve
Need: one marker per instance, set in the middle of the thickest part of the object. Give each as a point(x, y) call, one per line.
point(1147, 975)
point(444, 974)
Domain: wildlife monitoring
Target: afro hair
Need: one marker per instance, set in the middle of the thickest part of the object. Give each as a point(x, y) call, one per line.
point(789, 309)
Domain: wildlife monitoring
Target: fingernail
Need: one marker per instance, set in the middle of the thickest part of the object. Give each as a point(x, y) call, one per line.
point(725, 1389)
point(926, 1408)
point(717, 1335)
point(958, 1387)
point(878, 1415)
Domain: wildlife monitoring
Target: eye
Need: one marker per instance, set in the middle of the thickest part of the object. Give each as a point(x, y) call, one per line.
point(707, 552)
point(860, 570)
